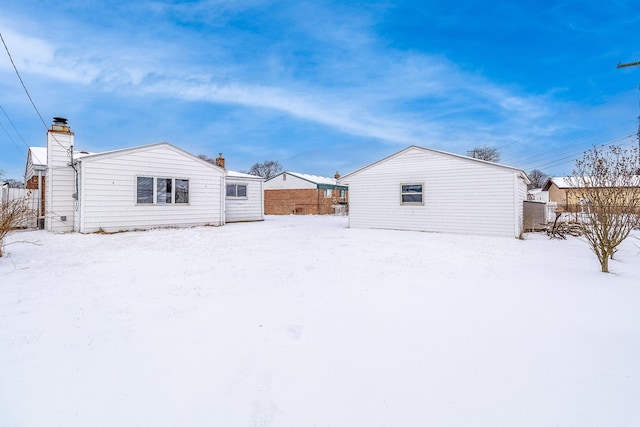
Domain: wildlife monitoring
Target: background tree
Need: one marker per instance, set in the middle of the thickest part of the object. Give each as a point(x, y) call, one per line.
point(605, 185)
point(537, 178)
point(14, 183)
point(489, 154)
point(267, 169)
point(207, 158)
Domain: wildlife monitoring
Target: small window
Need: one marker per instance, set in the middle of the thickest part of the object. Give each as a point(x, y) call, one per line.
point(327, 193)
point(236, 190)
point(144, 189)
point(342, 194)
point(411, 194)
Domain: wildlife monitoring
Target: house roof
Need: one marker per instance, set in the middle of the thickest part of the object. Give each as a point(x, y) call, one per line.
point(38, 156)
point(570, 182)
point(314, 179)
point(84, 156)
point(234, 174)
point(415, 147)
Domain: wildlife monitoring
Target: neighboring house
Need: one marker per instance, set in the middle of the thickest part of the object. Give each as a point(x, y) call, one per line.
point(157, 185)
point(562, 190)
point(558, 190)
point(538, 195)
point(34, 177)
point(299, 193)
point(428, 190)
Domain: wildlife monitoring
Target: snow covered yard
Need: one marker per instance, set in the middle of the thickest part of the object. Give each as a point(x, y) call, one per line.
point(301, 321)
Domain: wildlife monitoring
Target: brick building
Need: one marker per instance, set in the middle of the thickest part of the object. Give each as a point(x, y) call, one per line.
point(302, 194)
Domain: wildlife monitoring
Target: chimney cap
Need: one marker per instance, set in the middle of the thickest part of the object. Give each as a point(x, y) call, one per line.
point(60, 121)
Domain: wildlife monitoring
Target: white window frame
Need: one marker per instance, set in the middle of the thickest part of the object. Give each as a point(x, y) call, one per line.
point(404, 192)
point(154, 197)
point(235, 191)
point(328, 193)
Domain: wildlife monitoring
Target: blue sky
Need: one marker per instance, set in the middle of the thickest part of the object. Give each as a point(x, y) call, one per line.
point(322, 86)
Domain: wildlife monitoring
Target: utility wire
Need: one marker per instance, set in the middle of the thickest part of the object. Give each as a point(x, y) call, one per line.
point(29, 96)
point(22, 82)
point(14, 127)
point(11, 139)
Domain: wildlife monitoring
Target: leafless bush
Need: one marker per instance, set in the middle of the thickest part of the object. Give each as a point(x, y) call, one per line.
point(605, 184)
point(14, 214)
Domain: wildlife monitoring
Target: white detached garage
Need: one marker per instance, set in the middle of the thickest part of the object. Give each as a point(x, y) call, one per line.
point(429, 190)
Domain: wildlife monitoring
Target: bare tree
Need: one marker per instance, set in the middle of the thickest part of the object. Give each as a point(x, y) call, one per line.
point(207, 158)
point(537, 178)
point(267, 169)
point(489, 154)
point(606, 187)
point(14, 183)
point(14, 214)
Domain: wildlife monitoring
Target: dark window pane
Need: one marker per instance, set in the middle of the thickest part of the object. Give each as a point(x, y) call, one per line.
point(182, 191)
point(163, 191)
point(231, 190)
point(242, 191)
point(414, 188)
point(144, 190)
point(412, 198)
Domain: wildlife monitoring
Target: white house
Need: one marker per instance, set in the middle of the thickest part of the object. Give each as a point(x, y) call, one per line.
point(244, 197)
point(429, 190)
point(157, 185)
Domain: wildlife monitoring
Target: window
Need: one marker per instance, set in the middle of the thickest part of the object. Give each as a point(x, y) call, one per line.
point(163, 194)
point(342, 194)
point(144, 190)
point(182, 191)
point(411, 194)
point(161, 191)
point(236, 190)
point(327, 193)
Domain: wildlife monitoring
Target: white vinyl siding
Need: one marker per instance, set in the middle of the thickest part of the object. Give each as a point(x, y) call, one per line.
point(291, 182)
point(462, 195)
point(60, 183)
point(108, 190)
point(249, 207)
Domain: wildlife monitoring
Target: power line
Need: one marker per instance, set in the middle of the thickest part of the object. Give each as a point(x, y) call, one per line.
point(14, 127)
point(11, 139)
point(29, 96)
point(22, 82)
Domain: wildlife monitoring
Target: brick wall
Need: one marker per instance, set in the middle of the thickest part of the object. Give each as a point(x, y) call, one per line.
point(300, 202)
point(32, 184)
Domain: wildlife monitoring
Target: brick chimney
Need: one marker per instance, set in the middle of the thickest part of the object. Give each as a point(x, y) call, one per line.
point(220, 160)
point(337, 176)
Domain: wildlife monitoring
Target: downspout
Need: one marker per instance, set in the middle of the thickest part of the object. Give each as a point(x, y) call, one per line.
point(223, 195)
point(262, 200)
point(40, 196)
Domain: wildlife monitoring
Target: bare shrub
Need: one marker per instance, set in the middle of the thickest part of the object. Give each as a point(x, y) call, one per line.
point(605, 186)
point(14, 214)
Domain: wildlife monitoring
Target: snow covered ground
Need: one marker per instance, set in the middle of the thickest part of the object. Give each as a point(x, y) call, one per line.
point(301, 321)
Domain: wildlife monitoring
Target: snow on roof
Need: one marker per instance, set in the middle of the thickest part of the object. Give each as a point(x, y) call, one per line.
point(38, 155)
point(569, 182)
point(234, 174)
point(414, 147)
point(312, 178)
